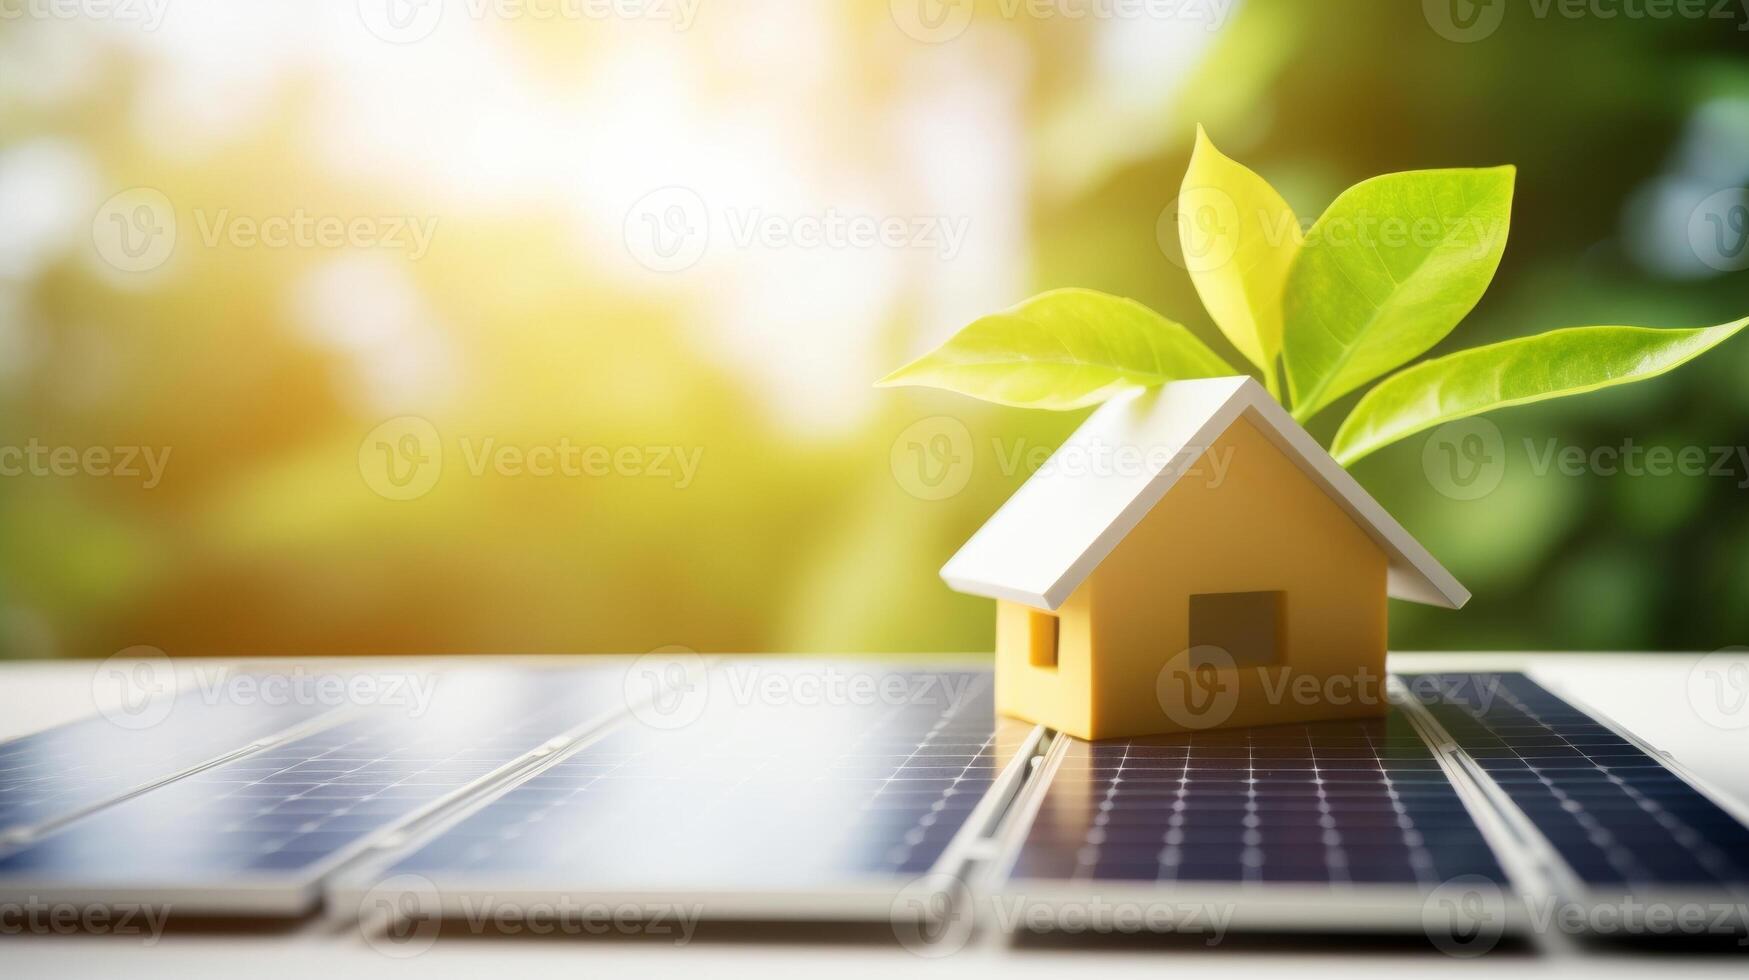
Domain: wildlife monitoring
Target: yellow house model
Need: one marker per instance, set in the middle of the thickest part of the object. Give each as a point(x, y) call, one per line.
point(1191, 558)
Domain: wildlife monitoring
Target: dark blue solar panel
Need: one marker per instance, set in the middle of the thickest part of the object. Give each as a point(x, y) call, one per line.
point(292, 808)
point(1615, 814)
point(74, 767)
point(1336, 803)
point(762, 791)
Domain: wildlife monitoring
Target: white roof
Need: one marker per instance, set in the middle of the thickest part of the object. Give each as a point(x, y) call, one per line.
point(1099, 485)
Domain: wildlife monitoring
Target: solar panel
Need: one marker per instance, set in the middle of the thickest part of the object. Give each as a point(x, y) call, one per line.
point(256, 833)
point(63, 771)
point(1622, 822)
point(770, 802)
point(1340, 824)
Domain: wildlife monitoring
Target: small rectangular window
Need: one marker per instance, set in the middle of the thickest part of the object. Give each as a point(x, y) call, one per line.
point(1247, 625)
point(1043, 632)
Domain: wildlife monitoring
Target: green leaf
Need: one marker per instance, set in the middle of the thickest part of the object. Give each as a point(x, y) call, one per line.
point(1386, 273)
point(1063, 350)
point(1239, 239)
point(1517, 372)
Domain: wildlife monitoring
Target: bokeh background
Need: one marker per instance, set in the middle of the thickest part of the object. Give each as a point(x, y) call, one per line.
point(666, 230)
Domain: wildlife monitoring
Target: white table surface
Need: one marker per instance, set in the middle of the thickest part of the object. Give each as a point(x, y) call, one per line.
point(1648, 694)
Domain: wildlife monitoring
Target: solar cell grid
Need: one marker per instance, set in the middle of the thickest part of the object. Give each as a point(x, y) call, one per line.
point(289, 809)
point(71, 768)
point(752, 796)
point(1329, 803)
point(1615, 814)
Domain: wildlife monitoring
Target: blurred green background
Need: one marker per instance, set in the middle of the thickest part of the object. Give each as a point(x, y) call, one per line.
point(632, 249)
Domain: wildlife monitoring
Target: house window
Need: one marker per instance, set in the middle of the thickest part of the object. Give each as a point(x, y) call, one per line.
point(1247, 625)
point(1042, 633)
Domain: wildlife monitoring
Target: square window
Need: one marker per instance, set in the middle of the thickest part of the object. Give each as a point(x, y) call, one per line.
point(1247, 625)
point(1043, 631)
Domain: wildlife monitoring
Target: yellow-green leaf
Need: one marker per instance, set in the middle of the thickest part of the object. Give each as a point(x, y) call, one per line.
point(1386, 273)
point(1063, 350)
point(1239, 239)
point(1517, 372)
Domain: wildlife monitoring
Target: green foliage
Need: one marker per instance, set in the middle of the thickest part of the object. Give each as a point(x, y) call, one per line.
point(1063, 350)
point(1384, 275)
point(1517, 372)
point(1239, 240)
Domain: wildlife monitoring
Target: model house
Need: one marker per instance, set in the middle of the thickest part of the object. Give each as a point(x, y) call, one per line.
point(1191, 558)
